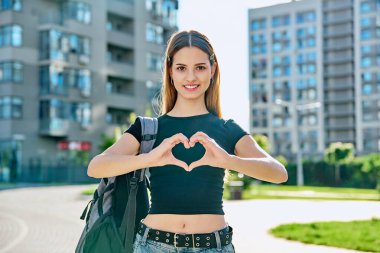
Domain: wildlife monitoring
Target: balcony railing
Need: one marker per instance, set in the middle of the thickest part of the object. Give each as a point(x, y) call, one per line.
point(54, 127)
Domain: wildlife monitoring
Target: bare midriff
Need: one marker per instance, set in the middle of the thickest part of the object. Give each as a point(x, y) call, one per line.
point(186, 224)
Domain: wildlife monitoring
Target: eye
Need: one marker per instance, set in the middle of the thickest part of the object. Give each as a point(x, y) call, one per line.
point(181, 68)
point(201, 67)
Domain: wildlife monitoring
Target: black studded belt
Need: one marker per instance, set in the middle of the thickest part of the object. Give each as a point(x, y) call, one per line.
point(207, 240)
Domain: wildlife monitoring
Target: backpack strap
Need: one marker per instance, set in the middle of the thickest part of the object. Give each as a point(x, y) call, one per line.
point(149, 128)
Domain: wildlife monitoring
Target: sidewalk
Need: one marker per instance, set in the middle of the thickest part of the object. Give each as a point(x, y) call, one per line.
point(46, 219)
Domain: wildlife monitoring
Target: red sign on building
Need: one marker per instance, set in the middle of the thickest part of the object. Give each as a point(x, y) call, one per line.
point(74, 145)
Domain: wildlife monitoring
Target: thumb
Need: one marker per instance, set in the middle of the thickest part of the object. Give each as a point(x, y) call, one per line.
point(180, 164)
point(195, 164)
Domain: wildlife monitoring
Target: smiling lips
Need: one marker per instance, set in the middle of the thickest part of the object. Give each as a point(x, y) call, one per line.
point(191, 87)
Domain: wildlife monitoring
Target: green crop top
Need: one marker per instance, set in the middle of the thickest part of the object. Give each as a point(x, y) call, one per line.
point(176, 191)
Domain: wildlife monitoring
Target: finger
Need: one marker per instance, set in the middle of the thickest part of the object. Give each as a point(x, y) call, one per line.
point(201, 139)
point(180, 164)
point(202, 134)
point(195, 164)
point(199, 133)
point(177, 138)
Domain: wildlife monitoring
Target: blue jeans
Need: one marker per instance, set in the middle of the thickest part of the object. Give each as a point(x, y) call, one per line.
point(144, 245)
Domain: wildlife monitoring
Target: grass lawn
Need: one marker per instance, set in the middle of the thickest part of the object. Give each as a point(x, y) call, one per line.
point(309, 192)
point(363, 235)
point(89, 191)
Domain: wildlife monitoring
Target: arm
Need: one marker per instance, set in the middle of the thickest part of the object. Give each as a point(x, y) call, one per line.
point(118, 159)
point(251, 160)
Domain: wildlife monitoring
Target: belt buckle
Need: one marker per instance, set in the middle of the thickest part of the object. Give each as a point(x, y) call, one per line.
point(175, 240)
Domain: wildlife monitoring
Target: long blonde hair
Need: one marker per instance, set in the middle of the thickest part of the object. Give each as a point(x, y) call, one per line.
point(168, 92)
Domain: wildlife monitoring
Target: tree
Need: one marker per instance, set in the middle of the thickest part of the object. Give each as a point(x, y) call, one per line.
point(371, 164)
point(339, 153)
point(107, 141)
point(282, 160)
point(262, 141)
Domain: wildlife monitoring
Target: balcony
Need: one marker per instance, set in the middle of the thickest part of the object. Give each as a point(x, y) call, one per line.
point(337, 113)
point(338, 86)
point(333, 127)
point(331, 6)
point(338, 32)
point(329, 72)
point(120, 39)
point(346, 138)
point(54, 127)
point(123, 8)
point(338, 59)
point(337, 19)
point(340, 99)
point(338, 46)
point(121, 69)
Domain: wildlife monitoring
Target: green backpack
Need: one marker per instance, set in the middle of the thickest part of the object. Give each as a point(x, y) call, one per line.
point(118, 205)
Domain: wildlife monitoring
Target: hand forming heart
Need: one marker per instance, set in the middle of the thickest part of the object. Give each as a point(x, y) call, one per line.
point(214, 155)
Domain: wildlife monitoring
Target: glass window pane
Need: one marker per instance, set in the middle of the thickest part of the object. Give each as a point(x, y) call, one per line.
point(16, 36)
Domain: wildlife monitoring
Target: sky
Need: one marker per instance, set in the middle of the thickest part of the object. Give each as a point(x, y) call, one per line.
point(225, 23)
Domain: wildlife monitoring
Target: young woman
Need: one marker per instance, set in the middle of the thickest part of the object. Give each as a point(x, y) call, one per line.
point(194, 147)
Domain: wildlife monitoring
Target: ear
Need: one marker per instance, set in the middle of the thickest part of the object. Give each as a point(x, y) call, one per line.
point(170, 71)
point(213, 68)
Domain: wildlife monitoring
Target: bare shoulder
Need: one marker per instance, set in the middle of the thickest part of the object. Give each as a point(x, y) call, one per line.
point(125, 145)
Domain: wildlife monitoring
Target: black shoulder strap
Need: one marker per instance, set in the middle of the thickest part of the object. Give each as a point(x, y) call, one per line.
point(149, 128)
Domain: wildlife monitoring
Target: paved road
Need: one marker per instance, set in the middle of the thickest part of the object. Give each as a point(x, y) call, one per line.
point(46, 219)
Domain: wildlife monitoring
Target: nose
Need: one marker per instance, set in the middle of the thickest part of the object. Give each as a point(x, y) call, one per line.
point(190, 76)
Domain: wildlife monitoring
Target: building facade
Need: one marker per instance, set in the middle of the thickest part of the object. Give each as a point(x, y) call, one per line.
point(72, 70)
point(310, 51)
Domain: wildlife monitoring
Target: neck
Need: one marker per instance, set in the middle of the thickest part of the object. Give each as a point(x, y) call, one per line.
point(188, 107)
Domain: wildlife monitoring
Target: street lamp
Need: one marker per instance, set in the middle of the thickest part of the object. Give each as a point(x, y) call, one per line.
point(295, 109)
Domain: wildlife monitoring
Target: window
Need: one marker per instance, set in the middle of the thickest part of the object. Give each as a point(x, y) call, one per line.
point(10, 107)
point(57, 81)
point(280, 20)
point(57, 45)
point(365, 7)
point(81, 112)
point(367, 76)
point(277, 121)
point(308, 16)
point(78, 11)
point(258, 24)
point(154, 62)
point(154, 33)
point(53, 109)
point(277, 71)
point(11, 71)
point(366, 49)
point(14, 5)
point(169, 12)
point(365, 35)
point(366, 62)
point(365, 22)
point(367, 89)
point(117, 116)
point(10, 35)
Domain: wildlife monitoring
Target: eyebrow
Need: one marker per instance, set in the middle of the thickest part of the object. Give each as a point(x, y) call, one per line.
point(202, 63)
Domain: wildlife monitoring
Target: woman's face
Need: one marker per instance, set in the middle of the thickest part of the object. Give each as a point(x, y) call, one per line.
point(191, 72)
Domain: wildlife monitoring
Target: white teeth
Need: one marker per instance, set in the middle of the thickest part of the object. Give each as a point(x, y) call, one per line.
point(191, 87)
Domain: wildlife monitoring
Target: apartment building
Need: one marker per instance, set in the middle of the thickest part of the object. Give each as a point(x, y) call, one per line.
point(72, 70)
point(314, 75)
